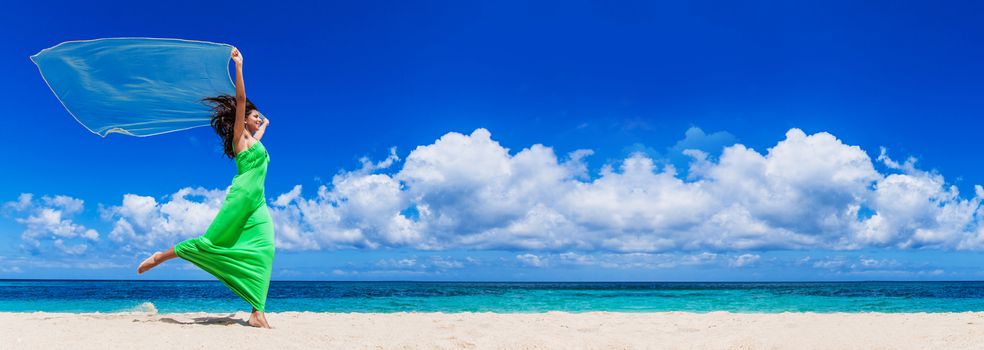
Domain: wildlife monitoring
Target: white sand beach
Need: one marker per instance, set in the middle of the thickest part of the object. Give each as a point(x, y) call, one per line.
point(552, 330)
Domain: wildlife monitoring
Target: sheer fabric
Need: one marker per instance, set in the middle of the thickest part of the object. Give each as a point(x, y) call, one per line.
point(137, 86)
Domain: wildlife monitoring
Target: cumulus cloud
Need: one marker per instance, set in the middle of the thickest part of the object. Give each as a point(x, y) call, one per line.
point(49, 223)
point(808, 191)
point(918, 209)
point(141, 222)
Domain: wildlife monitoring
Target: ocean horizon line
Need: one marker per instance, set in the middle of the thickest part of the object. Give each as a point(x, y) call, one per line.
point(494, 281)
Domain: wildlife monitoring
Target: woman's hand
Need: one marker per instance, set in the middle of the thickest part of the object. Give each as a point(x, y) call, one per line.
point(236, 56)
point(262, 130)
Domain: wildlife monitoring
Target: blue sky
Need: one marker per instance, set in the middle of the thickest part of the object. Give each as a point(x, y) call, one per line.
point(458, 91)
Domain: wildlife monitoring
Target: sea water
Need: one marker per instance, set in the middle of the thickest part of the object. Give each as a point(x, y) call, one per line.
point(212, 296)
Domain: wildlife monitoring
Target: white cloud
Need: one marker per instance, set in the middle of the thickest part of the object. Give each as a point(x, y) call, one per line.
point(141, 222)
point(647, 261)
point(70, 249)
point(23, 201)
point(745, 260)
point(20, 264)
point(412, 265)
point(855, 263)
point(866, 266)
point(917, 209)
point(14, 269)
point(50, 222)
point(808, 191)
point(362, 211)
point(531, 260)
point(470, 192)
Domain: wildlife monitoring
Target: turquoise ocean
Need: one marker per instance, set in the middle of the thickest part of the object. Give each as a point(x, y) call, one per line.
point(502, 297)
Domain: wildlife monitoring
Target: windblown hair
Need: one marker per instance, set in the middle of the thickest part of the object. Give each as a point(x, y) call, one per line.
point(224, 119)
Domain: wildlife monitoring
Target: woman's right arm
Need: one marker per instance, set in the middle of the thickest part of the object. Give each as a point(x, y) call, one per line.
point(237, 132)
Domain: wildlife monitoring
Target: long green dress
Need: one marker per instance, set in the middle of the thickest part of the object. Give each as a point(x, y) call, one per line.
point(238, 246)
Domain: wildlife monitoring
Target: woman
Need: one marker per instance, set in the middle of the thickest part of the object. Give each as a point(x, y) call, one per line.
point(238, 246)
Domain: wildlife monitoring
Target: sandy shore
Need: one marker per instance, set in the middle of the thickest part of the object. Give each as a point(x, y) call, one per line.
point(553, 330)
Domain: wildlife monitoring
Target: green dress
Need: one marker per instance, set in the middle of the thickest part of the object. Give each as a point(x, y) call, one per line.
point(238, 247)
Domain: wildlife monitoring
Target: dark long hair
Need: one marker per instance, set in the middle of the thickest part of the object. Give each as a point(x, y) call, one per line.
point(224, 119)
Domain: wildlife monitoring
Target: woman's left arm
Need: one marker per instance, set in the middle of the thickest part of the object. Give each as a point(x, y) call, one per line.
point(262, 129)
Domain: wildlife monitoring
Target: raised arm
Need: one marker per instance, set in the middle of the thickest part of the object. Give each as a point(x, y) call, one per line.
point(237, 131)
point(262, 130)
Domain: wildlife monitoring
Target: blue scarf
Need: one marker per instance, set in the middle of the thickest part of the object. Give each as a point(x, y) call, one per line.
point(137, 86)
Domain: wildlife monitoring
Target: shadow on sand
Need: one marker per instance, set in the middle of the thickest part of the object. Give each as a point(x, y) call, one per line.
point(208, 320)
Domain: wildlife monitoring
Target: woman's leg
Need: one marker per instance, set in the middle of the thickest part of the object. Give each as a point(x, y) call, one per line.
point(156, 259)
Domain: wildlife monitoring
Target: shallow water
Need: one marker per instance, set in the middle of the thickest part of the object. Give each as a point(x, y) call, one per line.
point(212, 296)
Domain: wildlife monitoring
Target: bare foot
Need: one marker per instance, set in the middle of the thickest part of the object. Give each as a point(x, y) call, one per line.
point(148, 264)
point(257, 319)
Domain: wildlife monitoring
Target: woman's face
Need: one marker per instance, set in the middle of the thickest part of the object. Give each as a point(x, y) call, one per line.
point(253, 121)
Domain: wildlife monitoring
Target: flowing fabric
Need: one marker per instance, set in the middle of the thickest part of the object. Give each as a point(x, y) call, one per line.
point(237, 248)
point(137, 86)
